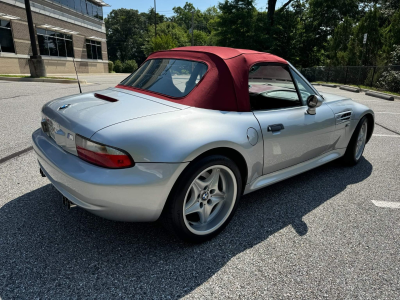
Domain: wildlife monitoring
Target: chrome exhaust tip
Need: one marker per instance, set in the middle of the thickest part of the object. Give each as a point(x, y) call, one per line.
point(67, 203)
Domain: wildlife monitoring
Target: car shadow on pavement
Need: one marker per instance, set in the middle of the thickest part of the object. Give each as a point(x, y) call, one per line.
point(49, 252)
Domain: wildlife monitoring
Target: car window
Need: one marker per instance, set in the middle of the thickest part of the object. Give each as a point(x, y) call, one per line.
point(304, 89)
point(272, 87)
point(171, 77)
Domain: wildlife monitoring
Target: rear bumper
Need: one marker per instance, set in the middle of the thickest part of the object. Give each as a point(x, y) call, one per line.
point(135, 194)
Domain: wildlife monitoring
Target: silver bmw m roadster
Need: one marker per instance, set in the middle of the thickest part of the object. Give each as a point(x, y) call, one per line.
point(190, 132)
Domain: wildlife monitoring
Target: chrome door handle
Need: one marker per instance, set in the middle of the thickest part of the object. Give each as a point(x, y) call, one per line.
point(275, 127)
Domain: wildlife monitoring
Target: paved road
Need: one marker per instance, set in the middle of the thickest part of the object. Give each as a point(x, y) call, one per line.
point(20, 105)
point(314, 236)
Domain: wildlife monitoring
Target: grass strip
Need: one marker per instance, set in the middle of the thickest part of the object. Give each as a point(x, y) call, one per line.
point(22, 76)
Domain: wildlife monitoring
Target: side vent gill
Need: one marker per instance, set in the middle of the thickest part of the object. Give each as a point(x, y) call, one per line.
point(343, 117)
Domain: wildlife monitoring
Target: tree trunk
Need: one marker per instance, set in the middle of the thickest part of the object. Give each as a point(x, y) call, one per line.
point(271, 10)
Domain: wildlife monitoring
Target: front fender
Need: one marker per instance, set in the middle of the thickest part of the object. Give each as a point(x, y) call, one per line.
point(183, 135)
point(358, 111)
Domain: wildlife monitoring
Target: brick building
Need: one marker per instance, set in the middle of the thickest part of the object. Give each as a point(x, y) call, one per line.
point(65, 29)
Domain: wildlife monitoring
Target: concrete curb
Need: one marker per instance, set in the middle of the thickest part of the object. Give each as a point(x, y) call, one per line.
point(372, 93)
point(349, 88)
point(43, 80)
point(329, 85)
point(380, 95)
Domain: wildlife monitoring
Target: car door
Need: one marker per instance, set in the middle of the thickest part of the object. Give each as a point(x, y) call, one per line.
point(291, 136)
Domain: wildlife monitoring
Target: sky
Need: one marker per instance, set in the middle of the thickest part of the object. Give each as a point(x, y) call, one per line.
point(165, 6)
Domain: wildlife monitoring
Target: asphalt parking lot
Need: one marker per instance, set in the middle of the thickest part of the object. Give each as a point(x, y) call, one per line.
point(318, 235)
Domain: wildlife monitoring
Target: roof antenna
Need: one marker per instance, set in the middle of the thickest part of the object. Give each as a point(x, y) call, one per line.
point(77, 77)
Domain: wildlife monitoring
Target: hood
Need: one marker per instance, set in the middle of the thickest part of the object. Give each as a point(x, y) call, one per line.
point(85, 113)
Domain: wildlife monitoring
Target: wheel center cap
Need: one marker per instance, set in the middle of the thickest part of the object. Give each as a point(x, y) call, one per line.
point(204, 196)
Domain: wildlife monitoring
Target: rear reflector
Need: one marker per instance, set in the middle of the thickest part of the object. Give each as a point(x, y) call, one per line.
point(102, 155)
point(103, 97)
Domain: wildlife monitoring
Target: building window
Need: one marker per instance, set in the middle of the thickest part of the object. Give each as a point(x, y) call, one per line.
point(84, 6)
point(54, 43)
point(93, 49)
point(6, 39)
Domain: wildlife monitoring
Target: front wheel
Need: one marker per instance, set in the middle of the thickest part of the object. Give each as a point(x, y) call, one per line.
point(357, 143)
point(204, 199)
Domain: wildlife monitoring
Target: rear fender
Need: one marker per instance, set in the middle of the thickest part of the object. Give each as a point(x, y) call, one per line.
point(182, 136)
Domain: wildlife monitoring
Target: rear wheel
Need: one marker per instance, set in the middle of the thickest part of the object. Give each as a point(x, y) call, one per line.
point(356, 146)
point(204, 199)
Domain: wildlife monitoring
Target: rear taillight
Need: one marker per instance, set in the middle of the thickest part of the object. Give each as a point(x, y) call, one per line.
point(102, 155)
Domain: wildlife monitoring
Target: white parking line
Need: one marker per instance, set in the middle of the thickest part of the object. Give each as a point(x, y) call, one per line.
point(386, 204)
point(387, 135)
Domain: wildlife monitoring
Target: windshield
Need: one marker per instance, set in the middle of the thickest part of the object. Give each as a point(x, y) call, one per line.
point(171, 77)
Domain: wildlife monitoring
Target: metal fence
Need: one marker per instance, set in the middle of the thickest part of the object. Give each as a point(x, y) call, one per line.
point(363, 75)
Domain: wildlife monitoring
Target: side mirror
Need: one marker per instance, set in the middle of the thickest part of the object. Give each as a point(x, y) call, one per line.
point(313, 101)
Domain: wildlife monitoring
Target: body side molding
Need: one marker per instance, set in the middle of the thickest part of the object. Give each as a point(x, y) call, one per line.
point(280, 175)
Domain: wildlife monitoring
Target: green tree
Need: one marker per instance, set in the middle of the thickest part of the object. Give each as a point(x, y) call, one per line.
point(125, 30)
point(200, 38)
point(188, 16)
point(339, 42)
point(369, 53)
point(352, 56)
point(183, 15)
point(236, 23)
point(327, 15)
point(210, 15)
point(309, 52)
point(283, 35)
point(306, 32)
point(391, 35)
point(389, 7)
point(162, 42)
point(178, 36)
point(149, 17)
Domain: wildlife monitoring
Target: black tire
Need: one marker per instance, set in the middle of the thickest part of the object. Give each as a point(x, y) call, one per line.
point(173, 215)
point(349, 158)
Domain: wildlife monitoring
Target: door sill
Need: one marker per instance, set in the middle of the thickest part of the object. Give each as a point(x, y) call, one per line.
point(277, 176)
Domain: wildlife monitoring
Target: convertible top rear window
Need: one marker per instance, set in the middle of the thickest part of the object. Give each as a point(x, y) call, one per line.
point(172, 77)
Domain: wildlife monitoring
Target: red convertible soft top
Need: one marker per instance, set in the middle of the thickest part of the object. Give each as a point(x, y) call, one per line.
point(225, 84)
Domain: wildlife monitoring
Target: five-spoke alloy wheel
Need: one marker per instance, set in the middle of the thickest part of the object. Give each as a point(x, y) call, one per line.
point(204, 198)
point(357, 143)
point(210, 199)
point(361, 139)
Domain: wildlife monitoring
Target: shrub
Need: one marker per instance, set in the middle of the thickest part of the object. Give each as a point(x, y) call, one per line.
point(118, 67)
point(390, 80)
point(110, 66)
point(129, 66)
point(378, 73)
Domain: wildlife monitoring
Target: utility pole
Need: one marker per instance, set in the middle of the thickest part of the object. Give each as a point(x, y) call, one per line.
point(192, 27)
point(155, 19)
point(36, 63)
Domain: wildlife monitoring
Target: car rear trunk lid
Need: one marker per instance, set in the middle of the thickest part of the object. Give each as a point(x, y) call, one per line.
point(85, 114)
